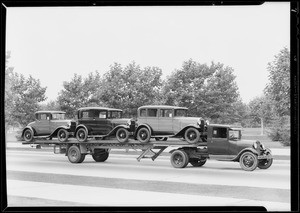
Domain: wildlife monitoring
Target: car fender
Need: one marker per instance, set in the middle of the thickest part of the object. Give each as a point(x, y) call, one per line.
point(54, 133)
point(28, 127)
point(143, 125)
point(181, 132)
point(114, 130)
point(249, 149)
point(81, 126)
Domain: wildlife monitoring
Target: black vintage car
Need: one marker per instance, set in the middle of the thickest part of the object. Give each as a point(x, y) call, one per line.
point(102, 122)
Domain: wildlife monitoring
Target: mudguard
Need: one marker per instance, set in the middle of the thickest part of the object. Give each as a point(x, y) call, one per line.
point(54, 133)
point(114, 130)
point(250, 149)
point(28, 127)
point(181, 132)
point(80, 126)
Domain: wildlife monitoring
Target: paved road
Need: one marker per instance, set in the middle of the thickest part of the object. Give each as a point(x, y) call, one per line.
point(41, 178)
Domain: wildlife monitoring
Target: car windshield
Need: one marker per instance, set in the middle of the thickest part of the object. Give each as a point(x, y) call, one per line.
point(58, 116)
point(180, 112)
point(234, 134)
point(115, 114)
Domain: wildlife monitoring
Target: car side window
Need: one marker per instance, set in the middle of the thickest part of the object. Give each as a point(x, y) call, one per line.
point(85, 114)
point(219, 133)
point(43, 117)
point(143, 113)
point(152, 112)
point(102, 114)
point(166, 113)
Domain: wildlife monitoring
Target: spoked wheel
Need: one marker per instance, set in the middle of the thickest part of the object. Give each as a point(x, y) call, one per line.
point(265, 163)
point(179, 159)
point(28, 135)
point(192, 135)
point(100, 155)
point(62, 135)
point(143, 135)
point(248, 161)
point(81, 135)
point(74, 155)
point(122, 135)
point(197, 162)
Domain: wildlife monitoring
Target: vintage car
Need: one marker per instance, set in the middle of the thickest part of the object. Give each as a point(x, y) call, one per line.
point(102, 123)
point(49, 124)
point(162, 121)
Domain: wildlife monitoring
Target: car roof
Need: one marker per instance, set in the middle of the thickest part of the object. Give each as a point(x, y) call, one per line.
point(161, 107)
point(100, 108)
point(49, 111)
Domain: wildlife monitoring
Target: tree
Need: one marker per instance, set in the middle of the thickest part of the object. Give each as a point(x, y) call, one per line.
point(208, 91)
point(278, 88)
point(27, 94)
point(51, 105)
point(8, 97)
point(79, 92)
point(130, 87)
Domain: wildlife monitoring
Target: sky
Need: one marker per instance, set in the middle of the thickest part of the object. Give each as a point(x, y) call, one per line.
point(53, 43)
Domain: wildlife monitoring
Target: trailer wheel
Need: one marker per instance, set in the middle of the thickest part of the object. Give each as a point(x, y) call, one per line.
point(197, 162)
point(100, 155)
point(143, 135)
point(62, 135)
point(248, 161)
point(74, 155)
point(122, 135)
point(192, 135)
point(179, 159)
point(81, 135)
point(28, 135)
point(265, 163)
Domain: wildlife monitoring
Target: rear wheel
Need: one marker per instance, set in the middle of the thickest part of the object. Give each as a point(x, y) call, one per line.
point(28, 135)
point(122, 135)
point(197, 162)
point(62, 135)
point(81, 135)
point(143, 135)
point(100, 155)
point(74, 155)
point(192, 135)
point(248, 161)
point(179, 159)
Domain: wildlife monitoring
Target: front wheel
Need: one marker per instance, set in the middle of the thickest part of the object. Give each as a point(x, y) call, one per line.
point(143, 135)
point(122, 135)
point(197, 162)
point(265, 163)
point(28, 135)
point(192, 135)
point(81, 135)
point(62, 135)
point(248, 161)
point(179, 159)
point(74, 155)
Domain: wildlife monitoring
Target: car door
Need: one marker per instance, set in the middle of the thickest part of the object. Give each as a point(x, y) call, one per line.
point(165, 122)
point(152, 119)
point(101, 125)
point(42, 125)
point(218, 141)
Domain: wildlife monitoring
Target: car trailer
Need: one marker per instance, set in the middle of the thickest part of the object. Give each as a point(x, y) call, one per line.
point(196, 154)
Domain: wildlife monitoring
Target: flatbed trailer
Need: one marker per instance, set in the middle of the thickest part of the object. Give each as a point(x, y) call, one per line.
point(182, 154)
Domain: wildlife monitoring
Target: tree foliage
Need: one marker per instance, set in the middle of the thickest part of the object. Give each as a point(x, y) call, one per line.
point(8, 96)
point(79, 92)
point(130, 87)
point(208, 91)
point(261, 108)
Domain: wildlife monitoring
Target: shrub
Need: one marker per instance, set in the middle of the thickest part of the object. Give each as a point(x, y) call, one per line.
point(279, 130)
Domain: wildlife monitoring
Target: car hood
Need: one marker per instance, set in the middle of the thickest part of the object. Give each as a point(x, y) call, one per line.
point(245, 143)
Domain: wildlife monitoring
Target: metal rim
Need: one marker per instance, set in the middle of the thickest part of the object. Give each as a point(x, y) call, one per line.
point(178, 159)
point(143, 134)
point(28, 134)
point(62, 134)
point(122, 134)
point(81, 135)
point(248, 161)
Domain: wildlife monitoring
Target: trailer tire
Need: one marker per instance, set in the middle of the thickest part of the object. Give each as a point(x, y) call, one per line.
point(248, 161)
point(82, 158)
point(62, 135)
point(197, 162)
point(74, 154)
point(28, 135)
point(192, 135)
point(179, 159)
point(101, 155)
point(122, 135)
point(265, 163)
point(81, 135)
point(143, 135)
